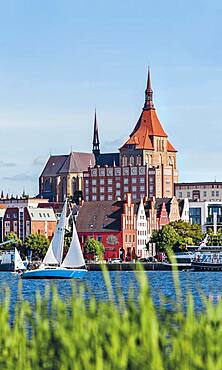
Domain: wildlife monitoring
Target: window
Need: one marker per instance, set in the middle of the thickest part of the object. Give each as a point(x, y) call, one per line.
point(142, 188)
point(134, 188)
point(102, 197)
point(142, 180)
point(87, 198)
point(217, 193)
point(180, 194)
point(40, 214)
point(101, 181)
point(126, 189)
point(212, 193)
point(188, 194)
point(93, 182)
point(94, 197)
point(87, 190)
point(133, 180)
point(87, 182)
point(118, 185)
point(94, 190)
point(195, 215)
point(110, 181)
point(134, 196)
point(101, 190)
point(110, 197)
point(118, 193)
point(110, 190)
point(99, 238)
point(126, 181)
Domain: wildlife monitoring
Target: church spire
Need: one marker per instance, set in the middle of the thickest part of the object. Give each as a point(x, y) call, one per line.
point(96, 147)
point(148, 93)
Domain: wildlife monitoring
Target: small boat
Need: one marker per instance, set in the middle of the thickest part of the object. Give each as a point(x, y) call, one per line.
point(53, 265)
point(208, 259)
point(19, 265)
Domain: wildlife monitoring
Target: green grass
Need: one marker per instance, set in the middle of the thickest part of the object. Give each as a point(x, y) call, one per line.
point(75, 334)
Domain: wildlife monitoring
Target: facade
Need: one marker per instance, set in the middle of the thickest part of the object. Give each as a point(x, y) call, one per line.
point(202, 213)
point(111, 183)
point(146, 165)
point(111, 223)
point(62, 176)
point(25, 216)
point(160, 212)
point(199, 191)
point(141, 230)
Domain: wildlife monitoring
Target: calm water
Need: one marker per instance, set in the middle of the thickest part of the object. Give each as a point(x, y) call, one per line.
point(161, 283)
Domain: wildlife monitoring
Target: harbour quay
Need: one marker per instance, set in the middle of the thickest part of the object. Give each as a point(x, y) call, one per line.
point(128, 266)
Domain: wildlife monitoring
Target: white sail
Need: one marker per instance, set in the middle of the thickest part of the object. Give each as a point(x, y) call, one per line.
point(19, 265)
point(55, 251)
point(74, 257)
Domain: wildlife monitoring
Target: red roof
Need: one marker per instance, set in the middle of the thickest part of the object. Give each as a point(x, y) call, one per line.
point(148, 125)
point(170, 147)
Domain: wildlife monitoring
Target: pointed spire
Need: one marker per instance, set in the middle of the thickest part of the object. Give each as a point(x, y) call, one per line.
point(148, 93)
point(96, 148)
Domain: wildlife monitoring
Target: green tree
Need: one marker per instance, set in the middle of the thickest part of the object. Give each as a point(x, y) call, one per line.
point(16, 241)
point(176, 236)
point(94, 247)
point(38, 244)
point(165, 239)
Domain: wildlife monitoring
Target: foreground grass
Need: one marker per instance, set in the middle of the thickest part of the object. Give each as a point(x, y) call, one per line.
point(79, 335)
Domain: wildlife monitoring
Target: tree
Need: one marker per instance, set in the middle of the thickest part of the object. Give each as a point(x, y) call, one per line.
point(16, 241)
point(176, 236)
point(38, 244)
point(165, 239)
point(94, 247)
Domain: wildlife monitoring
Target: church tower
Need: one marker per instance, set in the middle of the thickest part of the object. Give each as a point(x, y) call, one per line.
point(149, 145)
point(96, 144)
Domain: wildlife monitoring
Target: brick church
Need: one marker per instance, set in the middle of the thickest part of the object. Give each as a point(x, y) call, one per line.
point(145, 165)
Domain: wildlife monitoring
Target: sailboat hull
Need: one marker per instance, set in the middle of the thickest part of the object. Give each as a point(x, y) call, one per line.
point(59, 273)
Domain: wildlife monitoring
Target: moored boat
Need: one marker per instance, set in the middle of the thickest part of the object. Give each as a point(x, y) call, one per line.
point(208, 259)
point(54, 266)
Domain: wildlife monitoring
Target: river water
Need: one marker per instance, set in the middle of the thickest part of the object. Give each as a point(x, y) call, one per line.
point(161, 284)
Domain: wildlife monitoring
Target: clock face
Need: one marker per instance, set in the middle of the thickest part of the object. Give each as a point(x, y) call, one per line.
point(110, 172)
point(142, 171)
point(126, 171)
point(102, 172)
point(94, 172)
point(134, 171)
point(117, 172)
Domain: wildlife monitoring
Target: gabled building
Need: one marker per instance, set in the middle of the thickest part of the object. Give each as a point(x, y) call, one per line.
point(63, 174)
point(111, 223)
point(141, 230)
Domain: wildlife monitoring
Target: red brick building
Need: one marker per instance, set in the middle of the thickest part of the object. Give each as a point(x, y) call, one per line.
point(146, 166)
point(25, 216)
point(111, 223)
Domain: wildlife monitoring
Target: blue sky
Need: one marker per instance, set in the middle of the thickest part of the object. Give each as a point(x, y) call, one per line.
point(60, 59)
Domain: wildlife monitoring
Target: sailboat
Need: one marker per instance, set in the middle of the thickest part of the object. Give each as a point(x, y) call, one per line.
point(18, 263)
point(53, 265)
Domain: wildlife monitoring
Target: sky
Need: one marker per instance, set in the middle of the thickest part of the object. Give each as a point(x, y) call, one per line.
point(59, 59)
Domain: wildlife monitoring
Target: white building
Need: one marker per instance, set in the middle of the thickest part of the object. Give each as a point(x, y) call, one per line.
point(202, 213)
point(199, 191)
point(141, 226)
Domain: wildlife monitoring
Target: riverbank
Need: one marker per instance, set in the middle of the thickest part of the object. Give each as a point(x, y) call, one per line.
point(127, 266)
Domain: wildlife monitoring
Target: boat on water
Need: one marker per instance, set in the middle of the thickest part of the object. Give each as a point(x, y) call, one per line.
point(180, 260)
point(19, 265)
point(53, 265)
point(208, 258)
